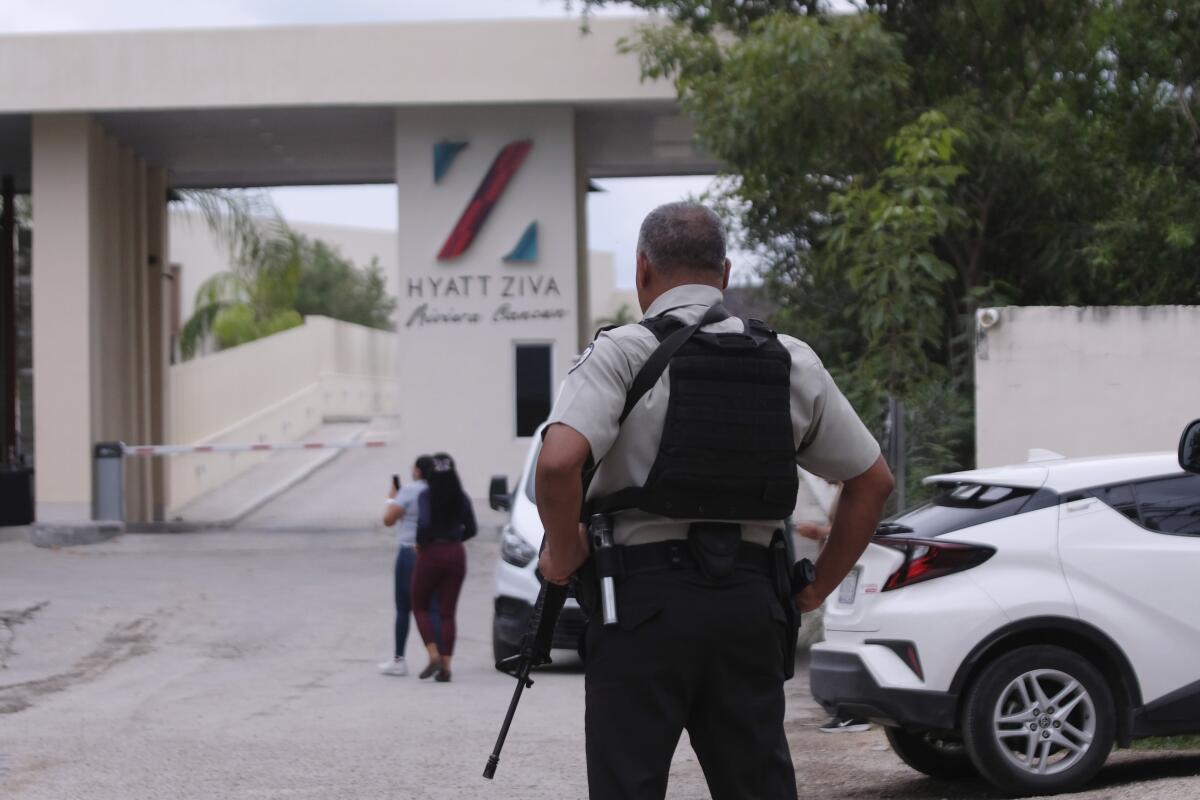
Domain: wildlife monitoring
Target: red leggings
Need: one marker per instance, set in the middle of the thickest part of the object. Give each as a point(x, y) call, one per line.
point(441, 568)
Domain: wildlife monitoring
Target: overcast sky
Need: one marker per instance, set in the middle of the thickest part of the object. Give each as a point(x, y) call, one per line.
point(92, 15)
point(613, 215)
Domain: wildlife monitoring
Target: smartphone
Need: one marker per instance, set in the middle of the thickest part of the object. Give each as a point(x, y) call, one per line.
point(396, 482)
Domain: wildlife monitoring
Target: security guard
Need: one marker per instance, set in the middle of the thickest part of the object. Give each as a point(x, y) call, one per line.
point(687, 428)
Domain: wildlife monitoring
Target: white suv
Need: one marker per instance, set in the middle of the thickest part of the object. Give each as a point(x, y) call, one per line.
point(1025, 620)
point(517, 583)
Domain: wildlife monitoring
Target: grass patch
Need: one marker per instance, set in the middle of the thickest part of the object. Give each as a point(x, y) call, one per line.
point(1168, 743)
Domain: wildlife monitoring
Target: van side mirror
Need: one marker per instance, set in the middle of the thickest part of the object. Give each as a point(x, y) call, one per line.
point(1189, 447)
point(499, 497)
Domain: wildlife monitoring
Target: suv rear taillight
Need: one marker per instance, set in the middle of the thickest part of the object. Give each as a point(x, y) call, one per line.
point(926, 559)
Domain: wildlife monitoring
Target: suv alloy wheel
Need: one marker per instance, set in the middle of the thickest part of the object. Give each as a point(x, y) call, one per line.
point(1039, 720)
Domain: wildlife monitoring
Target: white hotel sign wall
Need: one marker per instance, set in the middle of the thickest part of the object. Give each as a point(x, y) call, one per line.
point(464, 316)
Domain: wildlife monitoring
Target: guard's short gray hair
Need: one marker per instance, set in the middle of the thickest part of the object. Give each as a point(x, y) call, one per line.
point(683, 235)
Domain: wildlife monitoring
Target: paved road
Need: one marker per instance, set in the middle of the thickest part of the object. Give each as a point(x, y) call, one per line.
point(241, 664)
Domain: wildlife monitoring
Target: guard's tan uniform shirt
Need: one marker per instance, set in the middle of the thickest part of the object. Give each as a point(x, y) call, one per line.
point(832, 441)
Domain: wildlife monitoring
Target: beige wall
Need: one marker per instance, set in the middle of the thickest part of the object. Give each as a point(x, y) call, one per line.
point(274, 389)
point(94, 296)
point(605, 298)
point(1085, 381)
point(380, 63)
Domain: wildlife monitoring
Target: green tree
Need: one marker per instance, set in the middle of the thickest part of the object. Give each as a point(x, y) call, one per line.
point(257, 296)
point(333, 286)
point(898, 167)
point(881, 238)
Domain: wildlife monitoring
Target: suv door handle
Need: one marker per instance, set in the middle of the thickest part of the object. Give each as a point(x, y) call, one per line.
point(1080, 505)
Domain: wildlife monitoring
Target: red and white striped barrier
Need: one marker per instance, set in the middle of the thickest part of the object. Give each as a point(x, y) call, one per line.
point(181, 449)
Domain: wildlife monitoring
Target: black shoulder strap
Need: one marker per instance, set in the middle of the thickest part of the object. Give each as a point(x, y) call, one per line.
point(654, 367)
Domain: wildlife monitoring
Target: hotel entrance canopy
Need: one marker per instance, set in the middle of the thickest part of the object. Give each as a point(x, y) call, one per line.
point(315, 104)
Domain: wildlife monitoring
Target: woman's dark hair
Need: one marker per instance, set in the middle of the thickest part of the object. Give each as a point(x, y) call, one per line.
point(424, 465)
point(445, 490)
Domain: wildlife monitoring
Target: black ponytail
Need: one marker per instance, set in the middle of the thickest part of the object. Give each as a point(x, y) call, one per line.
point(445, 491)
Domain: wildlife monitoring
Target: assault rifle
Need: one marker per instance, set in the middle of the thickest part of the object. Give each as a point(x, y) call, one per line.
point(534, 652)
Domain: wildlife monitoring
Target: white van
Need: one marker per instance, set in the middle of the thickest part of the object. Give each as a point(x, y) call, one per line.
point(516, 584)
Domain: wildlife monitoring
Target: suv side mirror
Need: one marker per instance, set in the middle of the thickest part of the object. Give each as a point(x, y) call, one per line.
point(498, 495)
point(1189, 447)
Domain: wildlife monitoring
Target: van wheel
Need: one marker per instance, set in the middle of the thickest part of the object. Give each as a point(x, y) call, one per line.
point(1039, 720)
point(936, 755)
point(500, 648)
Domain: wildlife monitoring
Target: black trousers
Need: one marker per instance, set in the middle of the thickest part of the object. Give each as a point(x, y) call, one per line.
point(690, 654)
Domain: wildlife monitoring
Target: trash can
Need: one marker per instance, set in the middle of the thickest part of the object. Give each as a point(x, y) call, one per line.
point(108, 481)
point(16, 495)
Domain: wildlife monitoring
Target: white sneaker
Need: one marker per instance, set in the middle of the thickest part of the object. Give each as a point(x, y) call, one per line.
point(397, 667)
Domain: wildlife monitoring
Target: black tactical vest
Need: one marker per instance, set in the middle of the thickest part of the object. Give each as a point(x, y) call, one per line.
point(727, 450)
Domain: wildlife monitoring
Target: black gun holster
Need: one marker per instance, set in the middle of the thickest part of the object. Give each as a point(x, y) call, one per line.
point(587, 588)
point(781, 578)
point(587, 594)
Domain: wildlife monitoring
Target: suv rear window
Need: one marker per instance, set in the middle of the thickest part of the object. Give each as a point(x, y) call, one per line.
point(963, 505)
point(1164, 505)
point(1170, 505)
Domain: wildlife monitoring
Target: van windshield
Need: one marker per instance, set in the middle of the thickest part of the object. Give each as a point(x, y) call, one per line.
point(963, 505)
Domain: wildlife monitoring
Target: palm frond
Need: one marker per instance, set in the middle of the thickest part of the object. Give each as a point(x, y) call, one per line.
point(197, 328)
point(223, 287)
point(245, 221)
point(215, 295)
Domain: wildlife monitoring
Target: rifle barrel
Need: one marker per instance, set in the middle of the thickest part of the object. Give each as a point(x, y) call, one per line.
point(535, 650)
point(493, 761)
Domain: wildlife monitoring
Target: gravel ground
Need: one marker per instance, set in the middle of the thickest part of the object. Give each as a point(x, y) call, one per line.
point(241, 664)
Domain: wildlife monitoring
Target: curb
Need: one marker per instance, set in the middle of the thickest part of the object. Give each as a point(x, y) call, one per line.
point(71, 534)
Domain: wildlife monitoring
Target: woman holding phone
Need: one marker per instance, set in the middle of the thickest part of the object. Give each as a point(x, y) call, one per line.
point(445, 519)
point(402, 508)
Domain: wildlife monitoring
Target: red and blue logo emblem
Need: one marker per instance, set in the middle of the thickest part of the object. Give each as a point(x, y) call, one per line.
point(506, 164)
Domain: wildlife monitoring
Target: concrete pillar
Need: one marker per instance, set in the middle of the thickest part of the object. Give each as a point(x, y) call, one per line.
point(583, 299)
point(158, 306)
point(65, 249)
point(138, 375)
point(121, 390)
point(142, 333)
point(91, 311)
point(106, 292)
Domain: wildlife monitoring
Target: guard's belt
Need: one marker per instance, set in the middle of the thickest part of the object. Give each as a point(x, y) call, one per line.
point(622, 562)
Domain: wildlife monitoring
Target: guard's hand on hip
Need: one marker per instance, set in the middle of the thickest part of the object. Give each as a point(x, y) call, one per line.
point(557, 564)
